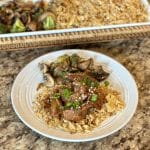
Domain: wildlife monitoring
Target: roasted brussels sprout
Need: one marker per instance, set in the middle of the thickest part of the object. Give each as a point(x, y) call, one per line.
point(74, 58)
point(48, 23)
point(2, 28)
point(18, 26)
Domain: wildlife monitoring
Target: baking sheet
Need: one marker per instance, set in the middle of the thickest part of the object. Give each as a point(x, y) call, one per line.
point(145, 2)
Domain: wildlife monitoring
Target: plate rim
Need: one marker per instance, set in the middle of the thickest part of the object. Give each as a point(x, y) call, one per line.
point(75, 140)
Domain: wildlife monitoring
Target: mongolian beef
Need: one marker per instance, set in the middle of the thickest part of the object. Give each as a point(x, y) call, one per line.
point(19, 16)
point(74, 89)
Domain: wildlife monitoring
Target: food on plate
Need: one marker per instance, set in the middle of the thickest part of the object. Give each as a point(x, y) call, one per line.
point(19, 16)
point(75, 94)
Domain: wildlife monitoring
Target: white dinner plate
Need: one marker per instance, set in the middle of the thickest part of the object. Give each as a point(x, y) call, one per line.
point(24, 91)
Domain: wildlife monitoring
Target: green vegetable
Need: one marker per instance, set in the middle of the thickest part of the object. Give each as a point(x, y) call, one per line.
point(56, 96)
point(38, 14)
point(94, 84)
point(2, 28)
point(69, 104)
point(74, 60)
point(63, 58)
point(94, 98)
point(67, 93)
point(48, 23)
point(18, 26)
point(106, 83)
point(86, 81)
point(89, 82)
point(74, 105)
point(62, 74)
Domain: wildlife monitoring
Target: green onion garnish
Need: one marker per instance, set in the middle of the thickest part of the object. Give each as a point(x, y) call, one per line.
point(56, 96)
point(74, 105)
point(69, 104)
point(106, 83)
point(94, 97)
point(67, 93)
point(89, 82)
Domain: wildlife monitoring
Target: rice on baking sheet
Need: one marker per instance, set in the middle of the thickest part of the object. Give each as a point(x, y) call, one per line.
point(86, 13)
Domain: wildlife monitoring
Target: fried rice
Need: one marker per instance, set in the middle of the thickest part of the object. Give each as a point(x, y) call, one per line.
point(94, 119)
point(77, 13)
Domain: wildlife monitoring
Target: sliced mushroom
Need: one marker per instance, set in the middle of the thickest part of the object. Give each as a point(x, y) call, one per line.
point(10, 17)
point(60, 70)
point(57, 71)
point(91, 64)
point(83, 65)
point(32, 26)
point(99, 73)
point(8, 10)
point(26, 6)
point(29, 19)
point(44, 67)
point(49, 80)
point(44, 84)
point(44, 16)
point(17, 14)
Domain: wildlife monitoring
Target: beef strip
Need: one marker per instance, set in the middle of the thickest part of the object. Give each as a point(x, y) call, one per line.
point(76, 115)
point(55, 107)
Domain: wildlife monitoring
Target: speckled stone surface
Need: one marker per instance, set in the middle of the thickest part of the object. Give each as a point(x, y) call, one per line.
point(133, 54)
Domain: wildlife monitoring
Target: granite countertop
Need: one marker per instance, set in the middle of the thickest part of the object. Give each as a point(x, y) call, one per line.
point(133, 54)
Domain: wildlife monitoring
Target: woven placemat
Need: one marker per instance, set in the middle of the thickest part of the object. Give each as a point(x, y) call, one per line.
point(70, 38)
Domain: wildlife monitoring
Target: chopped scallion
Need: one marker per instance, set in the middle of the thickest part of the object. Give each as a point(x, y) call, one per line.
point(56, 96)
point(67, 93)
point(94, 97)
point(106, 83)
